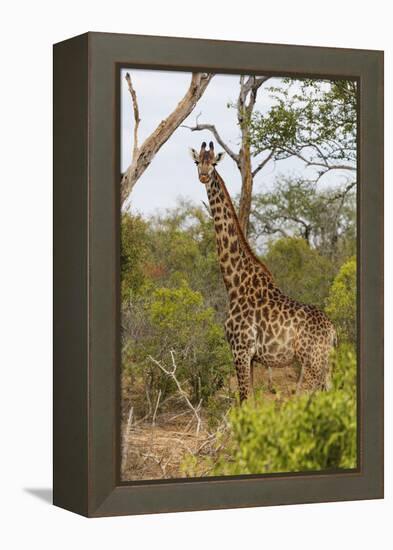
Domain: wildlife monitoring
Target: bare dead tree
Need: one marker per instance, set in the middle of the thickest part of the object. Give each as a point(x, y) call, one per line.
point(249, 87)
point(142, 155)
point(172, 375)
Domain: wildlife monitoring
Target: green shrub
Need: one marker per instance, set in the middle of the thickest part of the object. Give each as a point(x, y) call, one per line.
point(309, 432)
point(299, 270)
point(134, 251)
point(341, 302)
point(176, 319)
point(183, 246)
point(344, 368)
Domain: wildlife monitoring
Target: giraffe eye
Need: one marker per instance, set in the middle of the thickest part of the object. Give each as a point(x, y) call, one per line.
point(197, 162)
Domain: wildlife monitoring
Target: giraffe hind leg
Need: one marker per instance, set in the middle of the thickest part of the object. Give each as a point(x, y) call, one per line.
point(243, 372)
point(325, 376)
point(321, 368)
point(314, 372)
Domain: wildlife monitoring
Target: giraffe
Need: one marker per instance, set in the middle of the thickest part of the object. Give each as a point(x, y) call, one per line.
point(263, 324)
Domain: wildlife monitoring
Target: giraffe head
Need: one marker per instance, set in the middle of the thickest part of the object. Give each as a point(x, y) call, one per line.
point(206, 161)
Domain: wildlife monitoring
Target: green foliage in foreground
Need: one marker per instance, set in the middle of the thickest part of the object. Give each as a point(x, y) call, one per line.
point(309, 432)
point(344, 369)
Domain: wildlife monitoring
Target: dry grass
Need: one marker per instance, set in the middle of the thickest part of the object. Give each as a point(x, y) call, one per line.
point(157, 451)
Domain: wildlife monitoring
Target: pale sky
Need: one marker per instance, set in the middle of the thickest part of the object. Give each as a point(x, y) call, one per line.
point(172, 174)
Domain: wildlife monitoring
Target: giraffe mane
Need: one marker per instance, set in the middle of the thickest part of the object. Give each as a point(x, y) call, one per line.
point(243, 239)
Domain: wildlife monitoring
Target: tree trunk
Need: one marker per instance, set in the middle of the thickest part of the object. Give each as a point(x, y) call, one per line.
point(246, 191)
point(143, 155)
point(248, 90)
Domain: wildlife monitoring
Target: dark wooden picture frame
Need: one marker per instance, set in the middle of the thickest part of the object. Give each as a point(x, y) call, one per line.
point(86, 274)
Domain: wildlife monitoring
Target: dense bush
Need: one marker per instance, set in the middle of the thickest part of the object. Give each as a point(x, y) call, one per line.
point(299, 270)
point(183, 247)
point(341, 302)
point(176, 319)
point(344, 370)
point(134, 252)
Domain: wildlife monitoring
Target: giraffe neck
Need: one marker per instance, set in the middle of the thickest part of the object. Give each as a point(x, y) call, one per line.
point(235, 256)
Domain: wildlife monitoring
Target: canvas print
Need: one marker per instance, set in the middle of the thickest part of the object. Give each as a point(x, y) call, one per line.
point(238, 275)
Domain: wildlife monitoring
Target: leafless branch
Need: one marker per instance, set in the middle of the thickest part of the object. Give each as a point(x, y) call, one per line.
point(211, 128)
point(341, 195)
point(324, 164)
point(207, 207)
point(137, 119)
point(254, 83)
point(262, 164)
point(248, 89)
point(172, 374)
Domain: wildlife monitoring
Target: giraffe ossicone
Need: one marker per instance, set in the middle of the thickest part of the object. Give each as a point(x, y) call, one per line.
point(263, 324)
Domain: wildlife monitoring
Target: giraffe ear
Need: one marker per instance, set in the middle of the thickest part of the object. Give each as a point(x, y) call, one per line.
point(194, 155)
point(219, 157)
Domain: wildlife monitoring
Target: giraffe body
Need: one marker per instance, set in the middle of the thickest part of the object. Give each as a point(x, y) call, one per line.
point(263, 324)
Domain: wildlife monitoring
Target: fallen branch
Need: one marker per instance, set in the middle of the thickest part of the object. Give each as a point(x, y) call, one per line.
point(156, 408)
point(126, 439)
point(159, 461)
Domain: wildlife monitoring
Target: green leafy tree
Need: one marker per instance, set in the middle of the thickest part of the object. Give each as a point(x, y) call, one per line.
point(183, 246)
point(299, 270)
point(314, 120)
point(341, 302)
point(325, 219)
